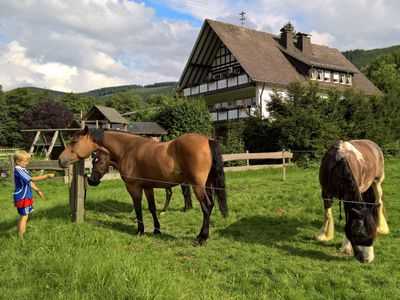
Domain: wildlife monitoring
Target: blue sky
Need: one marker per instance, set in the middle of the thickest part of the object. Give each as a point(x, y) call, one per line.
point(80, 45)
point(165, 10)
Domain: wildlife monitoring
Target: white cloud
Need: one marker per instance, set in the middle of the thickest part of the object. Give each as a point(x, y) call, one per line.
point(324, 39)
point(110, 42)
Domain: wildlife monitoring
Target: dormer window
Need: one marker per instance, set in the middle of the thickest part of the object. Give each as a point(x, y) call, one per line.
point(342, 78)
point(320, 75)
point(331, 76)
point(335, 77)
point(327, 76)
point(349, 79)
point(313, 74)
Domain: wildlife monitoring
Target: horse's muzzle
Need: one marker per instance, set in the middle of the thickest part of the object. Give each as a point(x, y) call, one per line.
point(63, 163)
point(92, 182)
point(364, 254)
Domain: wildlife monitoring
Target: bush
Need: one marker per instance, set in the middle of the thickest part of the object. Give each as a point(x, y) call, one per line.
point(181, 115)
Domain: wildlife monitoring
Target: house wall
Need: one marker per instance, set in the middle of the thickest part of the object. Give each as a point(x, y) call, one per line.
point(263, 96)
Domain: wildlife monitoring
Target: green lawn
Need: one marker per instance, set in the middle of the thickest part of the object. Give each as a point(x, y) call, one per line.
point(263, 250)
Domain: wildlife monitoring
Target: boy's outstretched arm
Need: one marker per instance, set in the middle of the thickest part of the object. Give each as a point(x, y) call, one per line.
point(45, 176)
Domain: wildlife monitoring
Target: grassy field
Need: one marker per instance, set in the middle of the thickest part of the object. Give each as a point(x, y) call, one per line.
point(263, 250)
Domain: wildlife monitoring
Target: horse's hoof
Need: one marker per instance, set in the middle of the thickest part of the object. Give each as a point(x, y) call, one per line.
point(157, 231)
point(198, 242)
point(323, 237)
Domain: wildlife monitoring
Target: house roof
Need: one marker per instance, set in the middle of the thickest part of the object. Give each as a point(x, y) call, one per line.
point(105, 113)
point(147, 128)
point(263, 58)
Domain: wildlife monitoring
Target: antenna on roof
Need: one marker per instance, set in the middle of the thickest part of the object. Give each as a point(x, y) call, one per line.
point(242, 19)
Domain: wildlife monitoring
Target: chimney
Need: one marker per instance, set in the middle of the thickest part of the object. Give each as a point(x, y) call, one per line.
point(287, 38)
point(304, 43)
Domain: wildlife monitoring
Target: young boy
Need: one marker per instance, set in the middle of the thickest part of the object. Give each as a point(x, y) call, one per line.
point(23, 199)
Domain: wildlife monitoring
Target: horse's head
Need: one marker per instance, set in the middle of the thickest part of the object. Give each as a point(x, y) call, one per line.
point(360, 229)
point(81, 146)
point(100, 165)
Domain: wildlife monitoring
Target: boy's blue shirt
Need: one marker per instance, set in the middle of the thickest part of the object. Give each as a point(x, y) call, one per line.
point(22, 180)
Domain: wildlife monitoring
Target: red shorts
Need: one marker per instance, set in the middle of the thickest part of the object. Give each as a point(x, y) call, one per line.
point(23, 203)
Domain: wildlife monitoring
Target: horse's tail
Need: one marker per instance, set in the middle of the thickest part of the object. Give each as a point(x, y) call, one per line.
point(217, 176)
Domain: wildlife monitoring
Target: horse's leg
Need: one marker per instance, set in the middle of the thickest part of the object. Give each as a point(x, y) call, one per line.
point(152, 207)
point(136, 194)
point(206, 205)
point(187, 196)
point(168, 194)
point(382, 227)
point(346, 247)
point(327, 230)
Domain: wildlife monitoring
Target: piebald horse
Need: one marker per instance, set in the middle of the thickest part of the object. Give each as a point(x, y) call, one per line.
point(353, 172)
point(101, 164)
point(145, 164)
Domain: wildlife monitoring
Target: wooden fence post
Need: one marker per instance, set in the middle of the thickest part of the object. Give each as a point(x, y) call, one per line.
point(283, 165)
point(247, 160)
point(77, 191)
point(11, 166)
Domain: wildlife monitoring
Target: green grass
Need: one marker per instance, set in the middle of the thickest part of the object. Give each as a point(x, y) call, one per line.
point(263, 250)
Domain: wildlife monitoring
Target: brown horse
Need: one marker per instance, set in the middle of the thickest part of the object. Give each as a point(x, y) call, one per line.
point(353, 172)
point(101, 164)
point(145, 164)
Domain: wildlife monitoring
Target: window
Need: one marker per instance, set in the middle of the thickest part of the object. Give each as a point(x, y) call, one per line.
point(249, 101)
point(327, 75)
point(239, 102)
point(313, 74)
point(223, 59)
point(336, 77)
point(342, 78)
point(320, 74)
point(349, 79)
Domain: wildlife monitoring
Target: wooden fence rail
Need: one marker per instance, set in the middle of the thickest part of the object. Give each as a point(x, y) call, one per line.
point(284, 156)
point(7, 151)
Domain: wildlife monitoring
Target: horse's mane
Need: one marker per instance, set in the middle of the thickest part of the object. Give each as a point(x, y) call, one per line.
point(97, 135)
point(343, 184)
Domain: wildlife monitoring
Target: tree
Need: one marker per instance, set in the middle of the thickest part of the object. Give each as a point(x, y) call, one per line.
point(384, 72)
point(77, 104)
point(297, 117)
point(124, 102)
point(181, 115)
point(47, 114)
point(13, 107)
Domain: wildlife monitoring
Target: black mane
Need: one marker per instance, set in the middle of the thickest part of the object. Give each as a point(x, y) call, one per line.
point(97, 135)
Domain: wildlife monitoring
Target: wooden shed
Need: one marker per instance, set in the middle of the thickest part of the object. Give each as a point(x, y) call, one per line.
point(104, 117)
point(150, 129)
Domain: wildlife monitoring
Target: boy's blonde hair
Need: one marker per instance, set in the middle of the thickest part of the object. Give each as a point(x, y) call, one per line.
point(21, 155)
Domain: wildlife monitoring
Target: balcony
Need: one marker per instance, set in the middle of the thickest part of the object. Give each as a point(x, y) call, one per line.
point(216, 85)
point(232, 113)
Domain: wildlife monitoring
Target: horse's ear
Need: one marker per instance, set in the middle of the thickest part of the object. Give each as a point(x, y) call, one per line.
point(86, 129)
